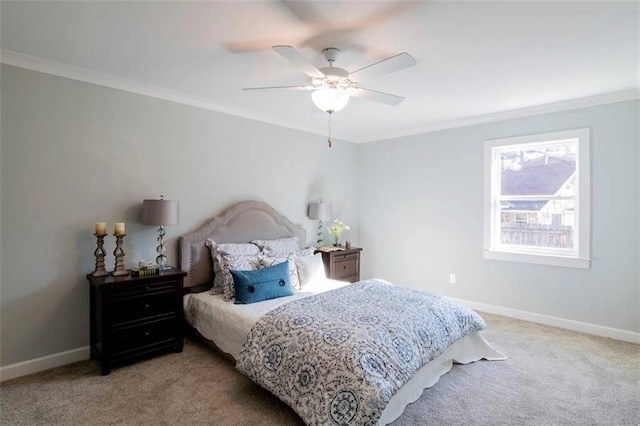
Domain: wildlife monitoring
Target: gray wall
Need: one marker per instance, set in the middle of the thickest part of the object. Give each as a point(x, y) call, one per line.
point(421, 201)
point(75, 153)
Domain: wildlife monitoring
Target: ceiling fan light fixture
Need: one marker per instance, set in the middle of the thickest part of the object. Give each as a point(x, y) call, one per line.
point(330, 99)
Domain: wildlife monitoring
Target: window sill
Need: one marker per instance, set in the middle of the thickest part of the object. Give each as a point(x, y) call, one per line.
point(568, 262)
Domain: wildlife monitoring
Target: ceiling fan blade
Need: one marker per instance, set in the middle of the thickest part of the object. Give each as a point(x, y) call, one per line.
point(386, 66)
point(249, 89)
point(296, 58)
point(304, 11)
point(373, 95)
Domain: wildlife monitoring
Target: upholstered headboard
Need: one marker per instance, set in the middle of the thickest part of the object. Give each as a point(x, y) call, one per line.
point(240, 223)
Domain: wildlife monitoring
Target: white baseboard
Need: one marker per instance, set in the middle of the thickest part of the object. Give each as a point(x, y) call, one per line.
point(80, 354)
point(24, 368)
point(583, 327)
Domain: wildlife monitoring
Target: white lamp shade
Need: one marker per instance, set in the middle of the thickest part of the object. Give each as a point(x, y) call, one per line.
point(160, 212)
point(330, 99)
point(320, 211)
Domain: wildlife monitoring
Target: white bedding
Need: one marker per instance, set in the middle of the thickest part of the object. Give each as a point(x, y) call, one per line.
point(228, 325)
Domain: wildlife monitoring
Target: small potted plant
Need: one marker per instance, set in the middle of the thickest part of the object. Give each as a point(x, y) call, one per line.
point(336, 229)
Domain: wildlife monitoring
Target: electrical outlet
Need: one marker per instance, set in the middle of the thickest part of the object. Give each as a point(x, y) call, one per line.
point(452, 278)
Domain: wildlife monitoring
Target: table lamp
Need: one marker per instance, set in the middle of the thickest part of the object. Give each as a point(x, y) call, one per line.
point(320, 211)
point(161, 213)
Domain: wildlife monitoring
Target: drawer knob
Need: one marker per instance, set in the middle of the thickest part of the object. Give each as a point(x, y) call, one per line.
point(146, 306)
point(146, 334)
point(344, 267)
point(147, 288)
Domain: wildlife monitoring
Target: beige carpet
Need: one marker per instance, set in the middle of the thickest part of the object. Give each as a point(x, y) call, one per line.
point(552, 377)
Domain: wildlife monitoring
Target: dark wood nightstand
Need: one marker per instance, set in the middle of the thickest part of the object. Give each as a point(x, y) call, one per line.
point(343, 265)
point(133, 317)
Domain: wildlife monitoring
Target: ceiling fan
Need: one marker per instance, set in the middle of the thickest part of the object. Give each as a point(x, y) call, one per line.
point(332, 87)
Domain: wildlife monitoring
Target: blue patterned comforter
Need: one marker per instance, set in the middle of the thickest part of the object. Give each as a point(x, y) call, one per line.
point(338, 357)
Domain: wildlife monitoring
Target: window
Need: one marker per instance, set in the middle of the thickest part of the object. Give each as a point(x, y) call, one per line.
point(537, 199)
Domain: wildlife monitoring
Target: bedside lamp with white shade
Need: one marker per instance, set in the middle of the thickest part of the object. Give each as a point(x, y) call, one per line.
point(161, 213)
point(320, 211)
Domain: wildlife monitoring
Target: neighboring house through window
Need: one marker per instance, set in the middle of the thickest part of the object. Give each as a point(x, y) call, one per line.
point(537, 204)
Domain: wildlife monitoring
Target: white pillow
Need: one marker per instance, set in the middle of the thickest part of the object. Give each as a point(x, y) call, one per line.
point(279, 246)
point(310, 268)
point(270, 259)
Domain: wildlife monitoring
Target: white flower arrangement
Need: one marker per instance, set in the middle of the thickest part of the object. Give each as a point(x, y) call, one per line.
point(337, 228)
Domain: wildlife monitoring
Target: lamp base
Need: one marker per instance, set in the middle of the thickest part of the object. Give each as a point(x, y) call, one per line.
point(320, 235)
point(161, 260)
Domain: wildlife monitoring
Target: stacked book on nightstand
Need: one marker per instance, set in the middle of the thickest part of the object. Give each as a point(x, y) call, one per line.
point(145, 268)
point(328, 249)
point(154, 270)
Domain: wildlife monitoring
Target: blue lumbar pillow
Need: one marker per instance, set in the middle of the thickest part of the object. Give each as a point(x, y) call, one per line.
point(262, 284)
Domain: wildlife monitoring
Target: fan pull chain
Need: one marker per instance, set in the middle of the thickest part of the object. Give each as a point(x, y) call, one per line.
point(329, 139)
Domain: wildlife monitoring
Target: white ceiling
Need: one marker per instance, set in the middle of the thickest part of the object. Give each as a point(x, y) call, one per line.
point(476, 61)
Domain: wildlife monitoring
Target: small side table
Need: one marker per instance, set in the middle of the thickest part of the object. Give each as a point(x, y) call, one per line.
point(342, 265)
point(135, 317)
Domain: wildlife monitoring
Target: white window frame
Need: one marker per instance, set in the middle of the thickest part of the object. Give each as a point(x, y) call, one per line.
point(579, 257)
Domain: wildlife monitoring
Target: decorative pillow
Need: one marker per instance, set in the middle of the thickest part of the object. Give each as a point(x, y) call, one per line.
point(237, 263)
point(220, 276)
point(218, 279)
point(236, 249)
point(262, 284)
point(278, 246)
point(310, 268)
point(269, 259)
point(217, 276)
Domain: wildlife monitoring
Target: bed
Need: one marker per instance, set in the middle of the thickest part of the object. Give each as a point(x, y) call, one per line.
point(337, 353)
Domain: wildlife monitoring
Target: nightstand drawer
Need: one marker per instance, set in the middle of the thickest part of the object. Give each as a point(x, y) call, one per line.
point(141, 289)
point(144, 306)
point(139, 336)
point(346, 256)
point(345, 269)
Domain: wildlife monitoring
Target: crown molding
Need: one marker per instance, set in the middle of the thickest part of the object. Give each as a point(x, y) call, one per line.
point(608, 98)
point(67, 71)
point(61, 70)
point(80, 74)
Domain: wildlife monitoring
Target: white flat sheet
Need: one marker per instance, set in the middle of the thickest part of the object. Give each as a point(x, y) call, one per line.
point(228, 325)
point(471, 348)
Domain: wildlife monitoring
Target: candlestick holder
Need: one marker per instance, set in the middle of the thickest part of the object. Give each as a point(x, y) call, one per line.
point(100, 254)
point(119, 254)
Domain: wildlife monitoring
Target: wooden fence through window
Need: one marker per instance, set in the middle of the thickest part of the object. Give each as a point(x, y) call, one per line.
point(535, 234)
